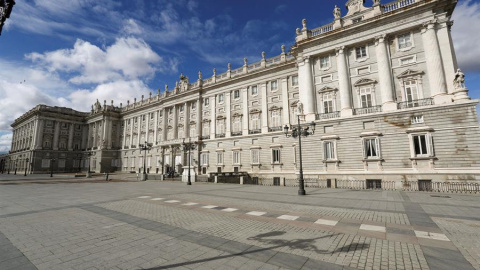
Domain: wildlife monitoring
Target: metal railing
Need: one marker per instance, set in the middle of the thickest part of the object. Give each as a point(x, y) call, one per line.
point(323, 116)
point(369, 110)
point(415, 103)
point(221, 135)
point(205, 137)
point(389, 7)
point(254, 131)
point(237, 133)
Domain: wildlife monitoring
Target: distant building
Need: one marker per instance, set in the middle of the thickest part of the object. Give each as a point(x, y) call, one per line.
point(381, 83)
point(6, 7)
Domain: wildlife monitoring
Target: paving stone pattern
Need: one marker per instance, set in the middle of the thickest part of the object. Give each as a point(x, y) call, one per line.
point(64, 224)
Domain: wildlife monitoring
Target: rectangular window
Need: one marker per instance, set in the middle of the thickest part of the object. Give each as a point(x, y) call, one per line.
point(151, 115)
point(194, 106)
point(421, 145)
point(273, 85)
point(181, 108)
point(357, 20)
point(206, 129)
point(180, 133)
point(275, 156)
point(276, 122)
point(411, 90)
point(361, 52)
point(405, 41)
point(204, 159)
point(327, 103)
point(294, 80)
point(254, 90)
point(255, 121)
point(143, 117)
point(219, 158)
point(406, 61)
point(371, 148)
point(221, 126)
point(417, 119)
point(206, 101)
point(255, 156)
point(237, 124)
point(193, 131)
point(236, 157)
point(324, 62)
point(236, 94)
point(133, 162)
point(366, 97)
point(220, 98)
point(329, 150)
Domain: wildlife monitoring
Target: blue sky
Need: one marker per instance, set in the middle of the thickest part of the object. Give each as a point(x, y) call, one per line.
point(70, 52)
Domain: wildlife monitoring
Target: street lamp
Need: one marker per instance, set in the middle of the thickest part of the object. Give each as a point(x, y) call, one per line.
point(8, 167)
point(89, 154)
point(51, 166)
point(189, 146)
point(16, 160)
point(300, 131)
point(145, 147)
point(26, 165)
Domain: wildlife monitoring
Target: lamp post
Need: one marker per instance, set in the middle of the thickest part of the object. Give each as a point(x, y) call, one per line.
point(26, 165)
point(2, 165)
point(188, 147)
point(300, 131)
point(51, 166)
point(145, 147)
point(89, 154)
point(16, 160)
point(8, 167)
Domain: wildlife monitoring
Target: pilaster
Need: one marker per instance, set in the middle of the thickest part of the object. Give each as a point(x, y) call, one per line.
point(245, 111)
point(263, 89)
point(286, 107)
point(385, 74)
point(228, 111)
point(56, 135)
point(70, 137)
point(213, 118)
point(344, 83)
point(306, 89)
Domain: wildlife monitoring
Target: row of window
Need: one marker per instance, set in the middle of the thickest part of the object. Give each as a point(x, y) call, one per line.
point(421, 145)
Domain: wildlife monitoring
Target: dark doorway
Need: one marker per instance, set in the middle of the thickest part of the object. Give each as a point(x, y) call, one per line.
point(425, 185)
point(204, 170)
point(219, 169)
point(374, 184)
point(329, 183)
point(235, 169)
point(276, 181)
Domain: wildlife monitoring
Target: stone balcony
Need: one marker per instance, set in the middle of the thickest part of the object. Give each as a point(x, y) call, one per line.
point(415, 103)
point(326, 116)
point(368, 110)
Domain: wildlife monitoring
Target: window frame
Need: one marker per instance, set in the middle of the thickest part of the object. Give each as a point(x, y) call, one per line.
point(236, 94)
point(406, 47)
point(377, 148)
point(221, 98)
point(255, 154)
point(294, 81)
point(329, 156)
point(428, 145)
point(236, 157)
point(276, 156)
point(362, 57)
point(256, 90)
point(271, 85)
point(220, 158)
point(328, 62)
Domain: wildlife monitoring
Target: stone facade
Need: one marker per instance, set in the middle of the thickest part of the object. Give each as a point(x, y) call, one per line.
point(381, 83)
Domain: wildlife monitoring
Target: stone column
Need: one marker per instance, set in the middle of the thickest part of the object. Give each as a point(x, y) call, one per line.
point(84, 136)
point(448, 53)
point(139, 131)
point(70, 137)
point(285, 105)
point(155, 129)
point(175, 122)
point(263, 89)
point(435, 74)
point(130, 143)
point(306, 88)
point(199, 117)
point(164, 124)
point(385, 74)
point(147, 127)
point(39, 134)
point(228, 110)
point(124, 142)
point(245, 111)
point(344, 83)
point(213, 116)
point(186, 120)
point(56, 135)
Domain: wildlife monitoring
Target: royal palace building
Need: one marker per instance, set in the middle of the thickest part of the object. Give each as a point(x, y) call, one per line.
point(381, 83)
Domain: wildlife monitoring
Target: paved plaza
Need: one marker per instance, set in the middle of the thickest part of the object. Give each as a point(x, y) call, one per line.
point(77, 223)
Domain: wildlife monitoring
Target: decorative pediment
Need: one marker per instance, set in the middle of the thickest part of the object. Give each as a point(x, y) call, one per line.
point(206, 120)
point(409, 73)
point(235, 115)
point(364, 82)
point(355, 6)
point(253, 111)
point(192, 122)
point(274, 108)
point(294, 104)
point(180, 125)
point(327, 89)
point(169, 127)
point(221, 117)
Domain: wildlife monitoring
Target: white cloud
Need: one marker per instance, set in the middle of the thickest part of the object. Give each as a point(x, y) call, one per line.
point(464, 31)
point(131, 27)
point(128, 57)
point(5, 142)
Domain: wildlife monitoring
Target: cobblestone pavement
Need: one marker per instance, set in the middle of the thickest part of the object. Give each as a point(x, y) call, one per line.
point(68, 223)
